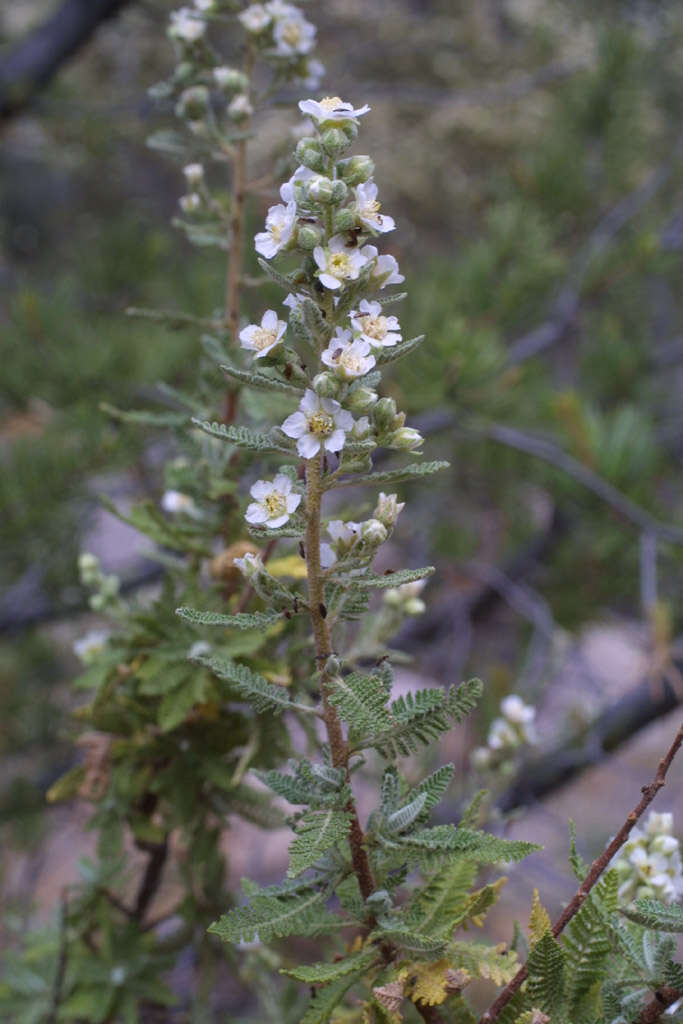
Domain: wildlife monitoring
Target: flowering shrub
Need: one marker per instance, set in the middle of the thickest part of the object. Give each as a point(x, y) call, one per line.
point(278, 677)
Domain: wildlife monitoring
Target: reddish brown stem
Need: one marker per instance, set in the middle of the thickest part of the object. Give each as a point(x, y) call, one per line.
point(596, 870)
point(659, 1004)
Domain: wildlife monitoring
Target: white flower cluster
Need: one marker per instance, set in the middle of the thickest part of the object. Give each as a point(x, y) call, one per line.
point(284, 33)
point(105, 588)
point(649, 863)
point(508, 734)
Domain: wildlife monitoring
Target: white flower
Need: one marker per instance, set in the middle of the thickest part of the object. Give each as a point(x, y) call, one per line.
point(348, 358)
point(204, 5)
point(254, 18)
point(301, 174)
point(293, 35)
point(190, 203)
point(368, 322)
point(515, 710)
point(175, 502)
point(385, 270)
point(659, 823)
point(275, 502)
point(331, 108)
point(361, 428)
point(343, 535)
point(319, 422)
point(261, 339)
point(240, 107)
point(367, 209)
point(327, 555)
point(387, 510)
point(194, 173)
point(338, 262)
point(280, 223)
point(89, 646)
point(293, 301)
point(187, 25)
point(502, 734)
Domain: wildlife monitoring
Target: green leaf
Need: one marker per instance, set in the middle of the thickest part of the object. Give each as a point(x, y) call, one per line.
point(402, 819)
point(446, 841)
point(587, 946)
point(316, 832)
point(653, 914)
point(325, 1001)
point(413, 942)
point(291, 908)
point(273, 274)
point(395, 579)
point(168, 141)
point(394, 476)
point(404, 348)
point(145, 417)
point(546, 968)
point(418, 718)
point(241, 620)
point(323, 973)
point(360, 700)
point(495, 963)
point(442, 904)
point(242, 437)
point(264, 696)
point(148, 519)
point(262, 381)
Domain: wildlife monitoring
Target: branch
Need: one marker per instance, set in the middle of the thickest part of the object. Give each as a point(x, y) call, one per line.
point(35, 60)
point(596, 870)
point(565, 307)
point(663, 998)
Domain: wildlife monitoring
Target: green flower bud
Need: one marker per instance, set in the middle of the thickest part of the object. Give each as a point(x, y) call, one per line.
point(184, 72)
point(240, 108)
point(344, 220)
point(373, 533)
point(193, 103)
point(350, 129)
point(357, 170)
point(388, 509)
point(333, 666)
point(360, 400)
point(326, 385)
point(309, 153)
point(339, 191)
point(406, 437)
point(334, 141)
point(383, 413)
point(230, 79)
point(308, 236)
point(320, 190)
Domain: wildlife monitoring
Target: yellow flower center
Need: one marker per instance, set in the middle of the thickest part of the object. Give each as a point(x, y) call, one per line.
point(339, 264)
point(292, 33)
point(330, 103)
point(321, 424)
point(374, 326)
point(262, 338)
point(276, 504)
point(371, 208)
point(351, 361)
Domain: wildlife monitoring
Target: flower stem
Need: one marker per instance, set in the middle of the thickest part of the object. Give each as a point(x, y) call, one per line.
point(323, 651)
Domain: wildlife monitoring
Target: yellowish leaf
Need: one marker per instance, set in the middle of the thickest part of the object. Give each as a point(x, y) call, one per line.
point(481, 901)
point(539, 920)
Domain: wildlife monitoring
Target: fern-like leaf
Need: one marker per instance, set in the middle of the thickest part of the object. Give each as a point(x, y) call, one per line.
point(651, 913)
point(242, 437)
point(414, 471)
point(546, 969)
point(442, 904)
point(587, 946)
point(241, 620)
point(395, 579)
point(326, 1000)
point(316, 832)
point(324, 973)
point(261, 694)
point(495, 963)
point(261, 381)
point(360, 700)
point(431, 845)
point(404, 348)
point(276, 912)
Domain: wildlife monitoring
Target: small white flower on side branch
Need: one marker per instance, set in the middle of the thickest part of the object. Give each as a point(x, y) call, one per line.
point(367, 209)
point(338, 262)
point(369, 323)
point(280, 222)
point(318, 423)
point(349, 358)
point(262, 338)
point(274, 502)
point(331, 108)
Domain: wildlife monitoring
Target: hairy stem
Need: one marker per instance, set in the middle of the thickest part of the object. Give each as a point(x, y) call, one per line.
point(662, 999)
point(323, 650)
point(596, 870)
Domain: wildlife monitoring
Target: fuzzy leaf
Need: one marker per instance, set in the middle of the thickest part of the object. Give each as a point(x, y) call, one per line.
point(360, 701)
point(316, 832)
point(273, 274)
point(442, 904)
point(324, 973)
point(261, 381)
point(241, 620)
point(394, 476)
point(405, 816)
point(427, 983)
point(446, 841)
point(145, 417)
point(545, 966)
point(539, 919)
point(496, 963)
point(420, 717)
point(326, 999)
point(481, 901)
point(248, 684)
point(395, 579)
point(404, 348)
point(242, 437)
point(276, 912)
point(412, 942)
point(587, 945)
point(658, 916)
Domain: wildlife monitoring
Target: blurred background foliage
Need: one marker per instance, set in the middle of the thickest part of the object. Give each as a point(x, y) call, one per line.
point(530, 151)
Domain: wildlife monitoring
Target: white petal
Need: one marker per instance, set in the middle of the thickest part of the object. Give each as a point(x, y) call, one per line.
point(310, 402)
point(260, 489)
point(278, 521)
point(308, 446)
point(295, 425)
point(327, 556)
point(335, 442)
point(329, 281)
point(344, 419)
point(256, 514)
point(292, 502)
point(269, 320)
point(282, 484)
point(264, 245)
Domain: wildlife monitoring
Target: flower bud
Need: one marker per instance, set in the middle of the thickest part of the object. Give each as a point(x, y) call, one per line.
point(388, 509)
point(350, 129)
point(339, 191)
point(373, 533)
point(250, 565)
point(309, 153)
point(361, 428)
point(384, 413)
point(88, 564)
point(183, 72)
point(334, 141)
point(326, 385)
point(357, 170)
point(193, 103)
point(333, 666)
point(230, 79)
point(406, 437)
point(320, 190)
point(308, 236)
point(343, 220)
point(360, 401)
point(240, 108)
point(356, 463)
